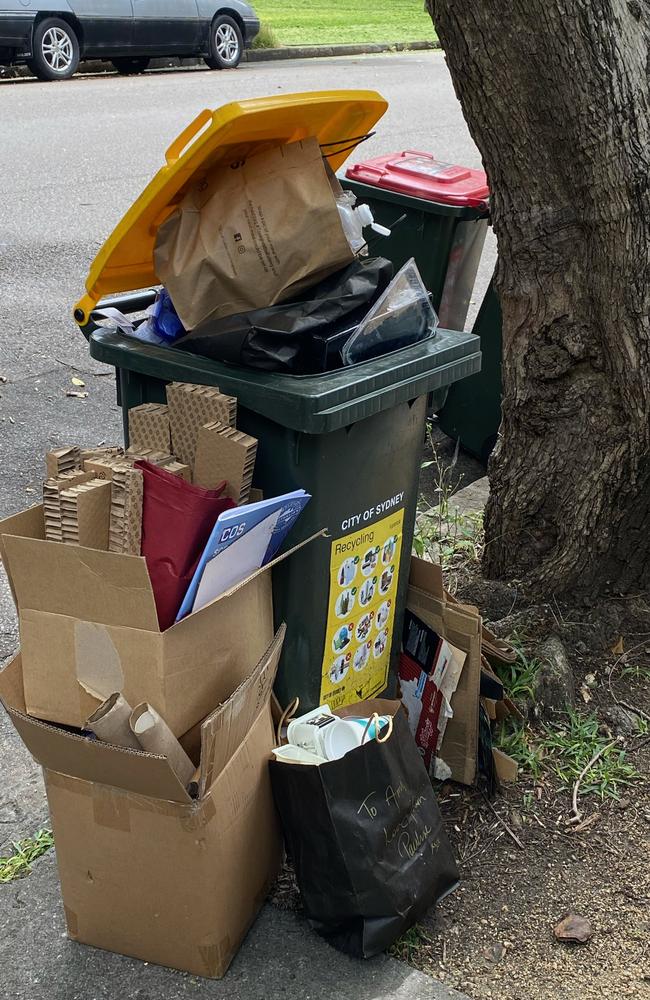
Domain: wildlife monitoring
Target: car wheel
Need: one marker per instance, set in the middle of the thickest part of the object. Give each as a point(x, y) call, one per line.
point(55, 50)
point(127, 67)
point(226, 43)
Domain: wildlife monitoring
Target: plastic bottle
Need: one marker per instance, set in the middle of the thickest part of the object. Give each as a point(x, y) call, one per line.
point(354, 219)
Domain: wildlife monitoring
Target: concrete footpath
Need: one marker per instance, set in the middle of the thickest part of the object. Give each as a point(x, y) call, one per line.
point(280, 960)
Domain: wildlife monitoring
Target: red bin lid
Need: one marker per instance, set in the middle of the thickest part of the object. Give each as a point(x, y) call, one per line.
point(421, 175)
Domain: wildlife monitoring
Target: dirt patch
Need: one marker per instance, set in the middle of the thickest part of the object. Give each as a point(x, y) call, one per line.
point(494, 937)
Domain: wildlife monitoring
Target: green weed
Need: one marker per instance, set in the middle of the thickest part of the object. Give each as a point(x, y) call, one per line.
point(266, 38)
point(26, 851)
point(565, 748)
point(443, 533)
point(408, 947)
point(519, 678)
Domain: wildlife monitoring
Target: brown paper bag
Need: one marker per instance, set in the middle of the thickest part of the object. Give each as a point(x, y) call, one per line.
point(252, 234)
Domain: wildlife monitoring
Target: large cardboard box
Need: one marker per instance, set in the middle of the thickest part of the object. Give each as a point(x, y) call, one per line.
point(88, 628)
point(145, 870)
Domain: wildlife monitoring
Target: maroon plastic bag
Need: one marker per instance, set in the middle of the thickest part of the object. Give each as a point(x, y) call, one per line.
point(177, 519)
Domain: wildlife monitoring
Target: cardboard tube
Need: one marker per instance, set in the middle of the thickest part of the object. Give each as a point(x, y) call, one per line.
point(110, 723)
point(155, 736)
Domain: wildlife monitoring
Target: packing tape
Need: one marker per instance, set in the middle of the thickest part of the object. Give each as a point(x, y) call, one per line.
point(198, 816)
point(111, 809)
point(216, 957)
point(71, 921)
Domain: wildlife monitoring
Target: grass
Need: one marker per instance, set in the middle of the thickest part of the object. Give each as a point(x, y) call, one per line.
point(519, 678)
point(563, 749)
point(18, 864)
point(409, 946)
point(331, 22)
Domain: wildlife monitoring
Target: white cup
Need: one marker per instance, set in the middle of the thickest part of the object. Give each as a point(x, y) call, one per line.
point(321, 733)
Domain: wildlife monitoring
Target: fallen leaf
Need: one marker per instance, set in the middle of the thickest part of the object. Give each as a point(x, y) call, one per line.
point(573, 929)
point(77, 381)
point(585, 693)
point(77, 395)
point(618, 648)
point(590, 680)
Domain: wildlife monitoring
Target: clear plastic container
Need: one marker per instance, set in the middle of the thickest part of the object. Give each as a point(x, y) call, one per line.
point(401, 316)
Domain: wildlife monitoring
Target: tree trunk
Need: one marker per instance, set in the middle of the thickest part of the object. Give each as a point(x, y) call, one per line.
point(555, 93)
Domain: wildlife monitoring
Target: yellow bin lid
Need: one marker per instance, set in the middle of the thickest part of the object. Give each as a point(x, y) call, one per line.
point(336, 117)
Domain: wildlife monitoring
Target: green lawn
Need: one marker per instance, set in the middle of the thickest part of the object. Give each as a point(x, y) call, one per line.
point(326, 22)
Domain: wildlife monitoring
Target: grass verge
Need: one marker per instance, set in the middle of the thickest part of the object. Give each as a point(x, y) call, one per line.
point(340, 22)
point(18, 864)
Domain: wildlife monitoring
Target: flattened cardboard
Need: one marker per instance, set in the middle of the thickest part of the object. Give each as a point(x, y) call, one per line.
point(190, 407)
point(125, 527)
point(149, 427)
point(461, 626)
point(85, 514)
point(223, 452)
point(62, 460)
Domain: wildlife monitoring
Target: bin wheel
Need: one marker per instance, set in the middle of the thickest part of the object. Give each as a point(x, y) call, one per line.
point(55, 50)
point(226, 43)
point(128, 67)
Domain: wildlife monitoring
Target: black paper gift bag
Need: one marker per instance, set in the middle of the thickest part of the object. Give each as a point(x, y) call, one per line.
point(366, 837)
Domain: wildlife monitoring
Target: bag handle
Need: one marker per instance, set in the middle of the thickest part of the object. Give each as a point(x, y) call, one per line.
point(183, 140)
point(375, 718)
point(286, 716)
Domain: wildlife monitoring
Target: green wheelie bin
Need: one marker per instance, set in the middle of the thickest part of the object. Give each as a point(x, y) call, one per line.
point(351, 437)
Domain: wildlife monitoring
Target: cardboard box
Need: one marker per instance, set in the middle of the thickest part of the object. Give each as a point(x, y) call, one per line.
point(144, 870)
point(88, 628)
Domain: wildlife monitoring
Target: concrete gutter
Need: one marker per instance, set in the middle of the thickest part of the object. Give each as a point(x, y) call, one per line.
point(95, 66)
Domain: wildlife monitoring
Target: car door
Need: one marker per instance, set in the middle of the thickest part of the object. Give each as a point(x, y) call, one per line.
point(166, 27)
point(107, 25)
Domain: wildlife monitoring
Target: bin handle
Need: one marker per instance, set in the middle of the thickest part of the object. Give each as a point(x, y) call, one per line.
point(183, 140)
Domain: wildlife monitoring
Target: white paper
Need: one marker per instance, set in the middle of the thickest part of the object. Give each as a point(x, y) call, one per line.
point(235, 563)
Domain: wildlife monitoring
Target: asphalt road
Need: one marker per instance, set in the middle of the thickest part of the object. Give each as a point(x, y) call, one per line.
point(73, 157)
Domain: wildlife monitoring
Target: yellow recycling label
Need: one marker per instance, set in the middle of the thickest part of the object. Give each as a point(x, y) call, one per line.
point(364, 570)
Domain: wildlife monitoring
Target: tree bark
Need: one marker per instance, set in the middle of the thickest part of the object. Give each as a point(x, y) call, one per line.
point(556, 95)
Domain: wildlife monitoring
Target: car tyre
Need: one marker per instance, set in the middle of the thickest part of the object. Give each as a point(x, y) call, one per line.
point(126, 66)
point(226, 43)
point(55, 50)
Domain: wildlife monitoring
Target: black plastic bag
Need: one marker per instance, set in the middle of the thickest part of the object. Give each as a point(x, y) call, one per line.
point(366, 837)
point(300, 337)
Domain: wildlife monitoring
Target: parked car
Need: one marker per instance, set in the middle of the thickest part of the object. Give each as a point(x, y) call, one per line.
point(51, 36)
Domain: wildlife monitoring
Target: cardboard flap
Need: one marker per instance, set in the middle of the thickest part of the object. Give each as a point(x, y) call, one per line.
point(12, 691)
point(224, 731)
point(105, 587)
point(29, 523)
point(90, 760)
point(244, 583)
point(427, 576)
